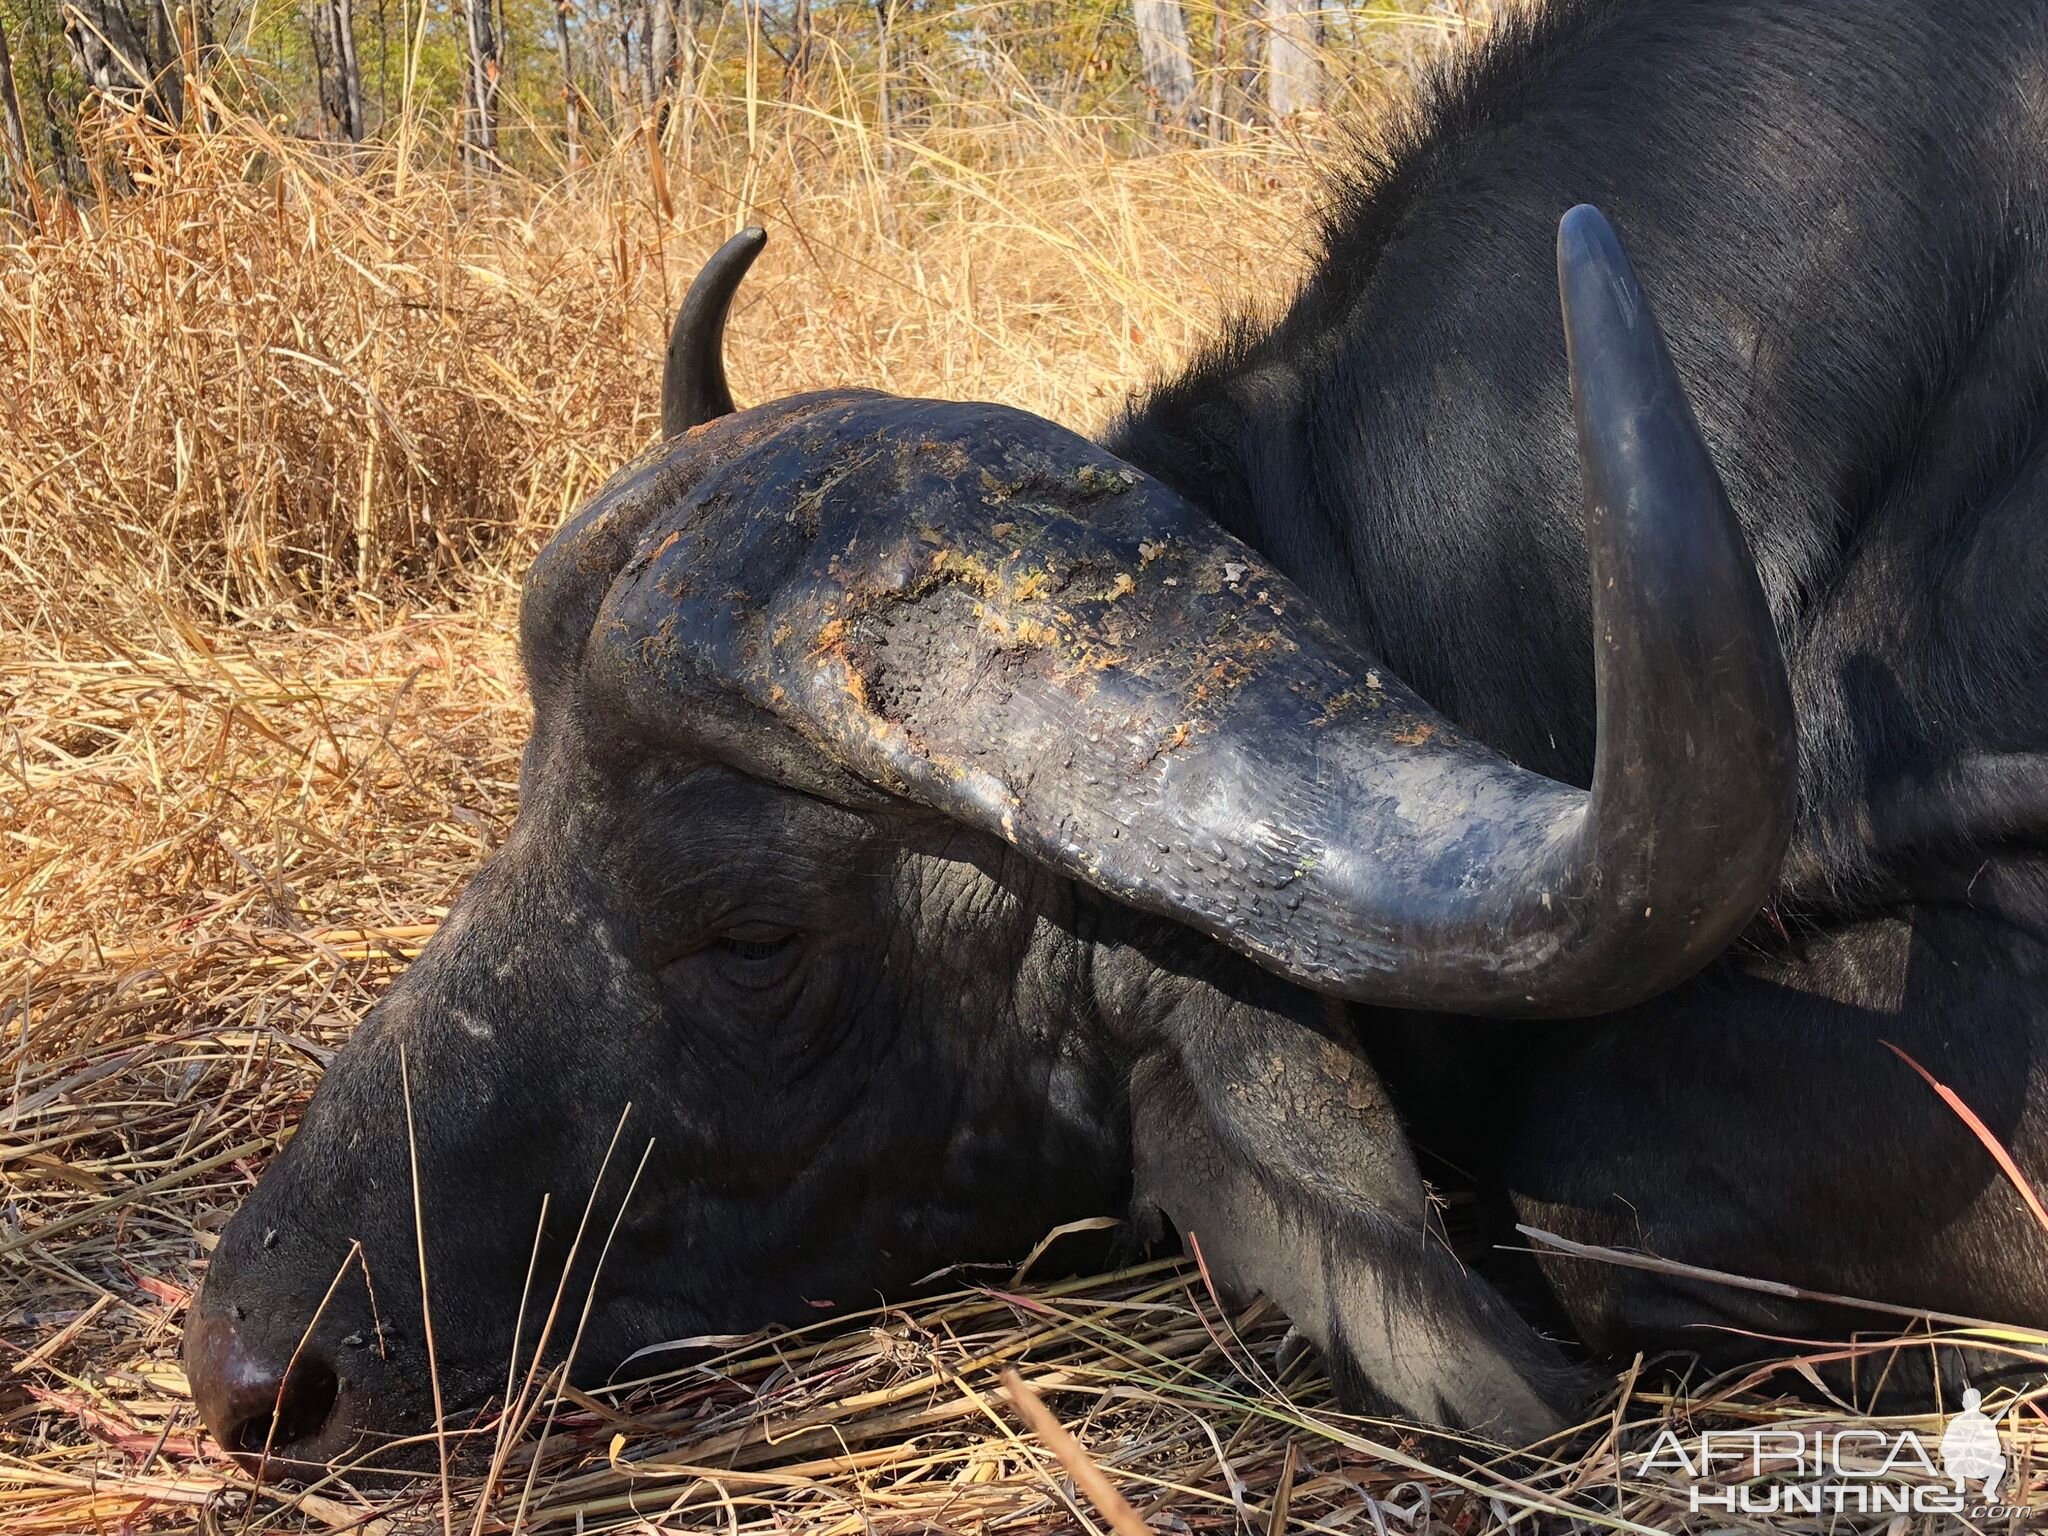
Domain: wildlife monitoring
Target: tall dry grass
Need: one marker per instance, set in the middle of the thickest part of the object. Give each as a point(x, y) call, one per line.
point(281, 387)
point(284, 376)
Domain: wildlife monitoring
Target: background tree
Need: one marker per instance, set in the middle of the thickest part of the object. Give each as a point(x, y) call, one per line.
point(1169, 70)
point(802, 38)
point(1294, 68)
point(1225, 95)
point(344, 14)
point(339, 80)
point(127, 58)
point(535, 84)
point(481, 82)
point(570, 94)
point(660, 32)
point(21, 171)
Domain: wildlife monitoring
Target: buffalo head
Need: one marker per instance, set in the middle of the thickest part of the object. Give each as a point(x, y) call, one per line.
point(932, 824)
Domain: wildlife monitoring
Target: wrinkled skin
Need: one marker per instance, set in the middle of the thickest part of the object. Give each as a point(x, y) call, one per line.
point(872, 1014)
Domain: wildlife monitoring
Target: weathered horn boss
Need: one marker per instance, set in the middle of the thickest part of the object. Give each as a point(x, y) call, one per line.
point(978, 610)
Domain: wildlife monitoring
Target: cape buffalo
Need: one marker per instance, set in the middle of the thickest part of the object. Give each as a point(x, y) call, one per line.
point(938, 825)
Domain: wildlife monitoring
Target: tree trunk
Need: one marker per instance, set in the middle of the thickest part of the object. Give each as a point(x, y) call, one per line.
point(643, 13)
point(482, 135)
point(689, 70)
point(166, 71)
point(885, 18)
point(20, 167)
point(569, 120)
point(351, 75)
point(202, 31)
point(334, 67)
point(383, 62)
point(326, 79)
point(111, 54)
point(1248, 62)
point(797, 76)
point(1219, 72)
point(1169, 70)
point(194, 53)
point(1293, 64)
point(621, 76)
point(126, 62)
point(661, 58)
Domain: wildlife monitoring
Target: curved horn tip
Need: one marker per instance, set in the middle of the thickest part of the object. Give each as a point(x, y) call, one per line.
point(1595, 283)
point(1695, 782)
point(1583, 229)
point(1640, 444)
point(693, 387)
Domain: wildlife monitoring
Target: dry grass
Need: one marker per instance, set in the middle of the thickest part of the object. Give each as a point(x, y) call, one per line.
point(280, 436)
point(271, 381)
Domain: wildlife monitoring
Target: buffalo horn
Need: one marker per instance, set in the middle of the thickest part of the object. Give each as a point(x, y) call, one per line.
point(975, 609)
point(693, 387)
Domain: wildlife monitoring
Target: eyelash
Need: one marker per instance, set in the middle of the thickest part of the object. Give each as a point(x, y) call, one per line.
point(755, 950)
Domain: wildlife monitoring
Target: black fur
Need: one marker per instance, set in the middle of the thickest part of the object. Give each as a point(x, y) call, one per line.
point(1838, 209)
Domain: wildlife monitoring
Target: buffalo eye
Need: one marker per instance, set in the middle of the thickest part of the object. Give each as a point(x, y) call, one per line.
point(757, 957)
point(755, 943)
point(749, 954)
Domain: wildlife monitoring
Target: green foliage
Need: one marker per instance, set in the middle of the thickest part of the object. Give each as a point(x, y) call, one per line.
point(46, 77)
point(920, 63)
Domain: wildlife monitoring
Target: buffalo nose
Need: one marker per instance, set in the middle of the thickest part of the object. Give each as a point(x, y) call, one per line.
point(254, 1404)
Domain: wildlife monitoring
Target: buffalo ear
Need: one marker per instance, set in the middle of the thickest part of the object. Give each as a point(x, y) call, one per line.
point(1259, 1130)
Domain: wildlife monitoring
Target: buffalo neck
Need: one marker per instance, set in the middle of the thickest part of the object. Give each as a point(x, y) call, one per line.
point(1400, 441)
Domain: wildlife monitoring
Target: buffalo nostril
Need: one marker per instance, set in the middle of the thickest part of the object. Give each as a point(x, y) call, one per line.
point(254, 1398)
point(294, 1413)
